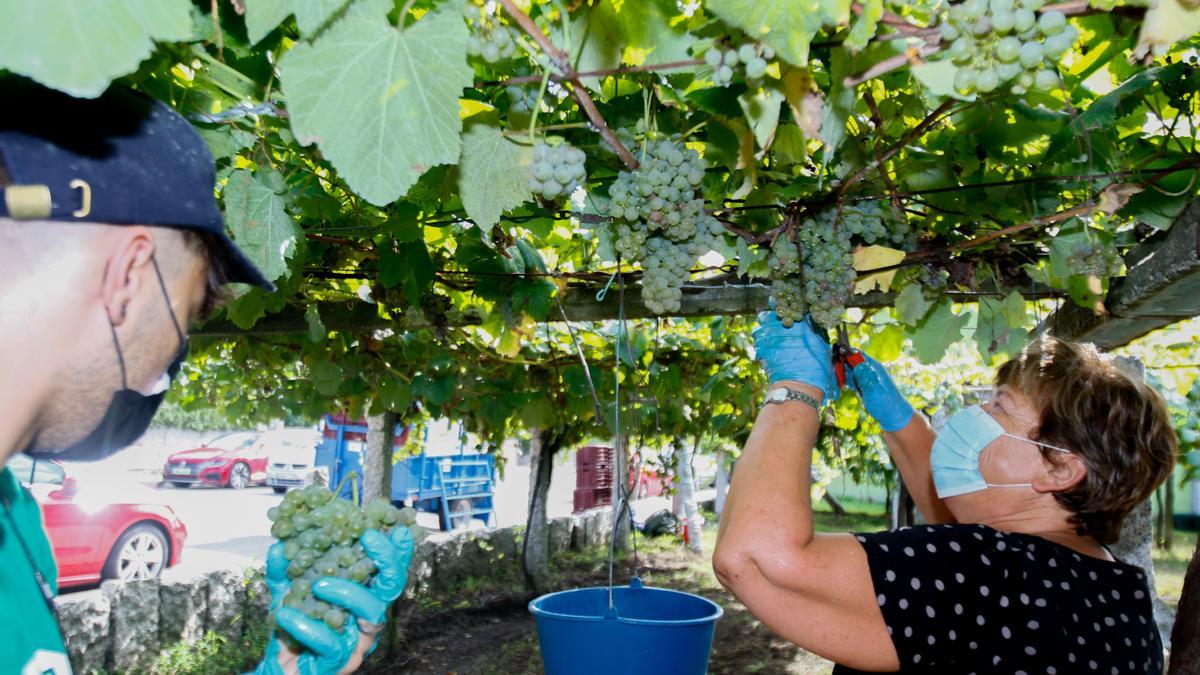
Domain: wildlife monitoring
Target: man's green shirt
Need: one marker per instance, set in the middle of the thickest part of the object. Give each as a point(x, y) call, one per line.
point(32, 644)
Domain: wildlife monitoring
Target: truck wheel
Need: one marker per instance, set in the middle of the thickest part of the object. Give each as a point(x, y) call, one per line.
point(278, 490)
point(460, 516)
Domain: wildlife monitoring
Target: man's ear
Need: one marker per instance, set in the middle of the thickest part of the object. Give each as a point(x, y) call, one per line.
point(130, 252)
point(1069, 471)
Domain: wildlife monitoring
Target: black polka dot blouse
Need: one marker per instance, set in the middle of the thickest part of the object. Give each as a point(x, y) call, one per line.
point(968, 599)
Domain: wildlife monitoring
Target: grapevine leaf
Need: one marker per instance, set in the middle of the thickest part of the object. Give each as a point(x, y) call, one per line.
point(936, 332)
point(865, 26)
point(762, 109)
point(254, 211)
point(493, 173)
point(999, 330)
point(839, 105)
point(875, 257)
point(316, 328)
point(80, 47)
point(1165, 23)
point(612, 33)
point(394, 394)
point(408, 263)
point(248, 308)
point(382, 105)
point(1104, 111)
point(886, 345)
point(912, 305)
point(786, 25)
point(262, 16)
point(938, 79)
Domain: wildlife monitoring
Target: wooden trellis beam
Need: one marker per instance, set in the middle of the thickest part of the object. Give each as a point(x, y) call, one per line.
point(1161, 287)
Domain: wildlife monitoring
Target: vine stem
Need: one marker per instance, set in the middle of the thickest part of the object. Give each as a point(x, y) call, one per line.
point(562, 62)
point(605, 72)
point(914, 133)
point(910, 56)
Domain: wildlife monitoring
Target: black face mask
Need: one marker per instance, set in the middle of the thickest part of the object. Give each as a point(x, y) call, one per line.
point(130, 412)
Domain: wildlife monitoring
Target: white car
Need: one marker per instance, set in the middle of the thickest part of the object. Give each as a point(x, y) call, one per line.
point(291, 453)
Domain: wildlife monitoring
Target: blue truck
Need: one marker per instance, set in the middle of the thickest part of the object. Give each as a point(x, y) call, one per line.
point(457, 487)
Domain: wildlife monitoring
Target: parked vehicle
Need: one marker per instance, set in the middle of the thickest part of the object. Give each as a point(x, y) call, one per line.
point(94, 536)
point(292, 454)
point(234, 460)
point(457, 487)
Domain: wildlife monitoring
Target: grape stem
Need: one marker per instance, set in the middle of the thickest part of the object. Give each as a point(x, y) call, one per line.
point(912, 135)
point(605, 72)
point(342, 483)
point(561, 61)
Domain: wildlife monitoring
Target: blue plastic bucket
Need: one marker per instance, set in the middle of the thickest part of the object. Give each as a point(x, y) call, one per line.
point(655, 631)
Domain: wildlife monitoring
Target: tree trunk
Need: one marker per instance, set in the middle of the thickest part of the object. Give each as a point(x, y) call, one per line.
point(1136, 547)
point(1168, 531)
point(622, 496)
point(535, 554)
point(903, 508)
point(1185, 657)
point(377, 457)
point(686, 487)
point(834, 504)
point(722, 483)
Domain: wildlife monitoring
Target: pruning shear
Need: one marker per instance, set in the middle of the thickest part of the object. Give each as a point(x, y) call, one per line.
point(844, 356)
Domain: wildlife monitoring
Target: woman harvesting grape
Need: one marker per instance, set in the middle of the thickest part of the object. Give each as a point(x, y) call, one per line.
point(1022, 494)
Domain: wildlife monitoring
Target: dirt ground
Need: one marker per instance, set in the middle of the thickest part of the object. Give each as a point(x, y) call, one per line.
point(490, 631)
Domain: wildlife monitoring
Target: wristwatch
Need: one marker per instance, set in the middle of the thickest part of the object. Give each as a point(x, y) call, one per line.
point(784, 394)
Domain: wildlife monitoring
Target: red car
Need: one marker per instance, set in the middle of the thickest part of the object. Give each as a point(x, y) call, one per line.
point(233, 460)
point(95, 537)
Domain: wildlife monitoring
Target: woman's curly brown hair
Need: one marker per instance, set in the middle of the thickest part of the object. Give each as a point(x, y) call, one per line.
point(1116, 424)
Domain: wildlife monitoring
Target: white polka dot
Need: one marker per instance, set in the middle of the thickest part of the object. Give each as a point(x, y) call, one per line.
point(958, 576)
point(984, 558)
point(1124, 618)
point(1108, 621)
point(1051, 670)
point(980, 620)
point(916, 658)
point(1024, 599)
point(955, 547)
point(1093, 665)
point(908, 631)
point(1071, 657)
point(1006, 632)
point(890, 631)
point(908, 551)
point(995, 659)
point(1074, 617)
point(953, 635)
point(983, 590)
point(929, 611)
point(903, 603)
point(916, 584)
point(1115, 671)
point(1004, 601)
point(973, 645)
point(1030, 650)
point(931, 640)
point(1080, 640)
point(939, 585)
point(1116, 594)
point(1040, 602)
point(1000, 546)
point(1128, 642)
point(889, 575)
point(931, 548)
point(1047, 583)
point(881, 599)
point(1118, 572)
point(958, 608)
point(1093, 575)
point(1138, 595)
point(1032, 625)
point(1096, 626)
point(884, 547)
point(1065, 586)
point(1088, 603)
point(978, 536)
point(860, 538)
point(1052, 563)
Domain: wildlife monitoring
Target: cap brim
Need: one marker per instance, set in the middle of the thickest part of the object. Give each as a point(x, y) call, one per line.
point(238, 267)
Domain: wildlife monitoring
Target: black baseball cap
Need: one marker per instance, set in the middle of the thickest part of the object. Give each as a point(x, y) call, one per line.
point(120, 159)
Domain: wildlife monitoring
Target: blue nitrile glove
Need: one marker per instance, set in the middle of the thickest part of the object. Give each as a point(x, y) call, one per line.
point(328, 651)
point(799, 353)
point(879, 394)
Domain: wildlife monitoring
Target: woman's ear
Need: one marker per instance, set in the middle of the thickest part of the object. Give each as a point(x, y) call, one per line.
point(1068, 472)
point(129, 254)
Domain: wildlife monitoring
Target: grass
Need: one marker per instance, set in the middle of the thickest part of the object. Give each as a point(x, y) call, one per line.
point(215, 653)
point(1170, 566)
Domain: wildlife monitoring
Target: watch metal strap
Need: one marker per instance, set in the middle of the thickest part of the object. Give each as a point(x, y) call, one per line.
point(793, 395)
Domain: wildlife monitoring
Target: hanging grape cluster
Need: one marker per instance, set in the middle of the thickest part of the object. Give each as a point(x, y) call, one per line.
point(321, 539)
point(490, 40)
point(556, 170)
point(658, 219)
point(1094, 259)
point(753, 58)
point(1006, 42)
point(521, 100)
point(814, 273)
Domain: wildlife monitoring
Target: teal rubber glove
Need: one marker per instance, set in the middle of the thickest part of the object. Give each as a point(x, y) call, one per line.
point(326, 650)
point(800, 353)
point(879, 394)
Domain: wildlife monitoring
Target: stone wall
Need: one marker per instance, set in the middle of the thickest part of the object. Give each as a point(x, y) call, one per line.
point(126, 627)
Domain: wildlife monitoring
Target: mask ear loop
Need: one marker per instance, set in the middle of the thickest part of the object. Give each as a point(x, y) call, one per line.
point(120, 357)
point(167, 297)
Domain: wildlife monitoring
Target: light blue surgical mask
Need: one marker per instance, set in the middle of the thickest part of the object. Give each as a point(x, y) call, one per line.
point(955, 455)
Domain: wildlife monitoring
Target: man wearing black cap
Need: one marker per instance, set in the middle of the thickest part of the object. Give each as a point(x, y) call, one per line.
point(111, 246)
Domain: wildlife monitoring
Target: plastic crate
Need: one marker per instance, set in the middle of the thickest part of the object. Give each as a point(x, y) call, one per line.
point(590, 498)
